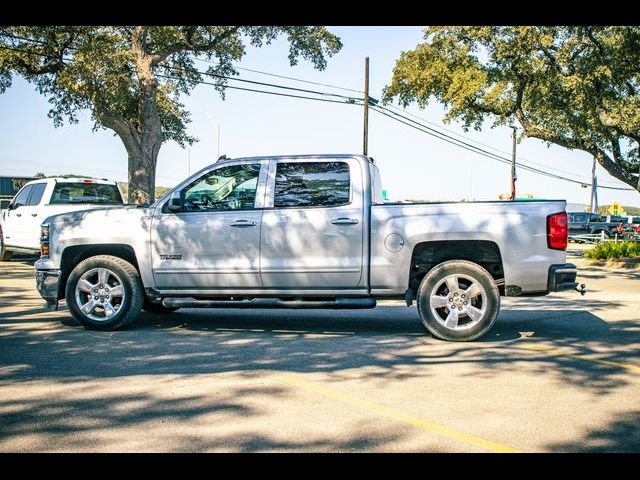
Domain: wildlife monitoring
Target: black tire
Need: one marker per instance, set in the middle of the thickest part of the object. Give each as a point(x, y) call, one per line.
point(122, 273)
point(467, 328)
point(157, 308)
point(5, 255)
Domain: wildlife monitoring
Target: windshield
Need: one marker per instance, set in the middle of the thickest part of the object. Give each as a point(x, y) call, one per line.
point(81, 192)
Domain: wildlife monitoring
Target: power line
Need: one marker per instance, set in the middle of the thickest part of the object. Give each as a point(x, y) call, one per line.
point(315, 92)
point(288, 78)
point(451, 132)
point(467, 146)
point(16, 37)
point(442, 136)
point(354, 101)
point(348, 101)
point(215, 75)
point(40, 54)
point(493, 148)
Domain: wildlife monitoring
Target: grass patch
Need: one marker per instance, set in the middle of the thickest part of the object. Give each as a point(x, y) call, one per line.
point(608, 250)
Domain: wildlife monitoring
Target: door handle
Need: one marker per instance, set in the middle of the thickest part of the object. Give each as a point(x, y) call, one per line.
point(18, 214)
point(345, 221)
point(34, 214)
point(243, 223)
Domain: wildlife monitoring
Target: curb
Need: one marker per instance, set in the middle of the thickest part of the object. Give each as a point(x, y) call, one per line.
point(626, 263)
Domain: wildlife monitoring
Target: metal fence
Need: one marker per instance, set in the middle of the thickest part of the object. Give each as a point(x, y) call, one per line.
point(600, 238)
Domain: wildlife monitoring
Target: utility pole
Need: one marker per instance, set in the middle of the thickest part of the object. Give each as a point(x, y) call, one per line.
point(513, 165)
point(365, 136)
point(593, 207)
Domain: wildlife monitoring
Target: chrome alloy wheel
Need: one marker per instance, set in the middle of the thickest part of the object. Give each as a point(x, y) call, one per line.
point(458, 302)
point(100, 294)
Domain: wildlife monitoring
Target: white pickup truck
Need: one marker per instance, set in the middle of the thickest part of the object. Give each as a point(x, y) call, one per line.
point(302, 232)
point(39, 199)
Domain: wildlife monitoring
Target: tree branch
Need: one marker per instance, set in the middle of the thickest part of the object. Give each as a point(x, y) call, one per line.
point(119, 124)
point(597, 44)
point(188, 45)
point(32, 68)
point(555, 65)
point(614, 168)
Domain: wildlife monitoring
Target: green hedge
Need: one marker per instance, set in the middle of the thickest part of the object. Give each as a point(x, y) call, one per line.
point(614, 250)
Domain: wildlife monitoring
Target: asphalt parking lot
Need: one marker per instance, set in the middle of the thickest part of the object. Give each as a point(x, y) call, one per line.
point(557, 374)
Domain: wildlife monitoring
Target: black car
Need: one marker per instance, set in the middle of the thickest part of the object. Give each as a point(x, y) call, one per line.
point(581, 223)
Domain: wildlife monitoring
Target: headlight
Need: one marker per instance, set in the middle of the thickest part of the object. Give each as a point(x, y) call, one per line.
point(44, 240)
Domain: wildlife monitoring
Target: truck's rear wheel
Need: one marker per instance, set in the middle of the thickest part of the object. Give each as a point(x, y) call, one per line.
point(5, 255)
point(104, 293)
point(458, 301)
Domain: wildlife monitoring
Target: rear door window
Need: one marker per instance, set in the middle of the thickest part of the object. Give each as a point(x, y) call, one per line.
point(312, 184)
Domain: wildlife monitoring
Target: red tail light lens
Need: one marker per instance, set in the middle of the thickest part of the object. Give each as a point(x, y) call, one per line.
point(557, 231)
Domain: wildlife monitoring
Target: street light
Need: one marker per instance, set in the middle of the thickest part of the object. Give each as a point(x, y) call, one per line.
point(217, 126)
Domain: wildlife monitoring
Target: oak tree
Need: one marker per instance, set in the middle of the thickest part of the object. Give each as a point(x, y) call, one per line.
point(131, 77)
point(576, 86)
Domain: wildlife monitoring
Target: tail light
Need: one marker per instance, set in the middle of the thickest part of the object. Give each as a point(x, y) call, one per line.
point(638, 229)
point(557, 231)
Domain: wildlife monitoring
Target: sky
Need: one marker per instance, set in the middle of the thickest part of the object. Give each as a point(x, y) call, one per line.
point(412, 165)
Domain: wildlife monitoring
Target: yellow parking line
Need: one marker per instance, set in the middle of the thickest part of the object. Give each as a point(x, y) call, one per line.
point(400, 416)
point(587, 358)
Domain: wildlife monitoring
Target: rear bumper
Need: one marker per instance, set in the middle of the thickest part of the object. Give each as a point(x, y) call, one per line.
point(562, 277)
point(48, 282)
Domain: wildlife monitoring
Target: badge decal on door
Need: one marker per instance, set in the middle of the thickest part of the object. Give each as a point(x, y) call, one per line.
point(170, 256)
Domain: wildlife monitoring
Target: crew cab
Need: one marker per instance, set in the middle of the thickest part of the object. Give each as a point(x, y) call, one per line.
point(305, 231)
point(39, 199)
point(581, 223)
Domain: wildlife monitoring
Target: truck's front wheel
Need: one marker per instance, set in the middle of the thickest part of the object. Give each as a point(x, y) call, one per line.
point(104, 293)
point(458, 301)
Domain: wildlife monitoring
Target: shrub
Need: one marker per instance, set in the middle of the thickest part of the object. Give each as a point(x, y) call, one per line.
point(614, 250)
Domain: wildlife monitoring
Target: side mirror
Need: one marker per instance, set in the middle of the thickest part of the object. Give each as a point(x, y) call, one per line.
point(11, 206)
point(175, 204)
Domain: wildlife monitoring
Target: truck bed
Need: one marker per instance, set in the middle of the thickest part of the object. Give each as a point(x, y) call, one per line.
point(518, 229)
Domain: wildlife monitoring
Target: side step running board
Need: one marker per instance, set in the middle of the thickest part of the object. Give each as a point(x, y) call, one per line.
point(337, 304)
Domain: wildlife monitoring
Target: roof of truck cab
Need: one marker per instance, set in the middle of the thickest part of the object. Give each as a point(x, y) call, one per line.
point(101, 181)
point(306, 156)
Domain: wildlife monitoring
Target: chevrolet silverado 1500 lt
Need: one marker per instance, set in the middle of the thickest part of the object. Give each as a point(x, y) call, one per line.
point(302, 232)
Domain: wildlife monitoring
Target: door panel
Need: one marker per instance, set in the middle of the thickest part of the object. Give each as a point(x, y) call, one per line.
point(32, 217)
point(195, 250)
point(214, 242)
point(303, 243)
point(16, 222)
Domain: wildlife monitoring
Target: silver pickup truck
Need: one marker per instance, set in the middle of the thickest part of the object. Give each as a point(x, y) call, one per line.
point(306, 231)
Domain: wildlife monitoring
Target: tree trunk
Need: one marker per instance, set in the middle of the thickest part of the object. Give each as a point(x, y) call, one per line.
point(142, 175)
point(143, 158)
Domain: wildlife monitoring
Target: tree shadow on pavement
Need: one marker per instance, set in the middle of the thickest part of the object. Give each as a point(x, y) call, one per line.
point(383, 345)
point(621, 435)
point(389, 339)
